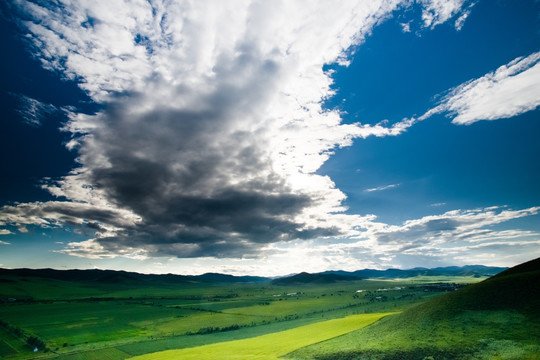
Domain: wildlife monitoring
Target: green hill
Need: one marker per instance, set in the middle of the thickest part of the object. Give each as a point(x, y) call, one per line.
point(306, 278)
point(498, 318)
point(50, 284)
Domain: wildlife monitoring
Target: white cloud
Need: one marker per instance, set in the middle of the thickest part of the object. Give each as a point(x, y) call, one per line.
point(460, 21)
point(5, 232)
point(511, 90)
point(436, 12)
point(4, 243)
point(438, 204)
point(381, 188)
point(437, 235)
point(405, 27)
point(92, 249)
point(104, 221)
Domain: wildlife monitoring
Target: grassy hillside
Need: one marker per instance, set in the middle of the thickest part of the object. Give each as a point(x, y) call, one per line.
point(498, 318)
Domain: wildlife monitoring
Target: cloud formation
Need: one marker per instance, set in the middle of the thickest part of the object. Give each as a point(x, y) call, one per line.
point(511, 90)
point(212, 126)
point(453, 226)
point(465, 236)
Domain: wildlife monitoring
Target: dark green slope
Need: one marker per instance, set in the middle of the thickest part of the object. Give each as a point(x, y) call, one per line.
point(113, 276)
point(498, 318)
point(516, 289)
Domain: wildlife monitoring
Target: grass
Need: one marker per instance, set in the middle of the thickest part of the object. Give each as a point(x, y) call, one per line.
point(496, 319)
point(11, 345)
point(445, 279)
point(79, 320)
point(102, 354)
point(468, 336)
point(271, 346)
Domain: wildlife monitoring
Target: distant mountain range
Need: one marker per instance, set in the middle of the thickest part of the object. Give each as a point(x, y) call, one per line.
point(339, 275)
point(468, 270)
point(112, 276)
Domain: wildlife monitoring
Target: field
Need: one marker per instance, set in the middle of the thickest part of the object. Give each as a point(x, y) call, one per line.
point(116, 316)
point(272, 346)
point(119, 319)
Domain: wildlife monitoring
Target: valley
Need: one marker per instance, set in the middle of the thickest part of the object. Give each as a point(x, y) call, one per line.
point(117, 315)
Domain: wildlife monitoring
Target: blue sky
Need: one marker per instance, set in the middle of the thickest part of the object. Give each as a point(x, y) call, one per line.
point(268, 138)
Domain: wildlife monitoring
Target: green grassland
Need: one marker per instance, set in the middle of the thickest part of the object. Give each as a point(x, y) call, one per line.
point(271, 346)
point(496, 319)
point(119, 319)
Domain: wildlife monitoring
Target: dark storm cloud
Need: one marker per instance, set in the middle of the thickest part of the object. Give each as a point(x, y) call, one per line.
point(194, 176)
point(192, 180)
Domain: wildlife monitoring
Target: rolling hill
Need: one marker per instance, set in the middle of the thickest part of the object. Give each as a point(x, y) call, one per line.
point(306, 278)
point(115, 276)
point(106, 276)
point(498, 318)
point(69, 284)
point(340, 275)
point(49, 284)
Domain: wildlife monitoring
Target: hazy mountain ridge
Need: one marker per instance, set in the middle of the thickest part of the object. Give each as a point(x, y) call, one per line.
point(95, 275)
point(467, 270)
point(116, 276)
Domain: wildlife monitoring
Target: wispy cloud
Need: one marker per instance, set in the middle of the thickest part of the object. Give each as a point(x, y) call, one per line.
point(437, 231)
point(511, 90)
point(33, 111)
point(380, 188)
point(460, 21)
point(438, 204)
point(405, 27)
point(5, 232)
point(436, 12)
